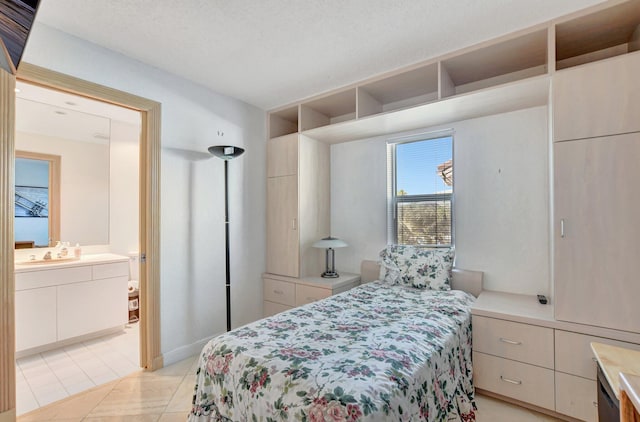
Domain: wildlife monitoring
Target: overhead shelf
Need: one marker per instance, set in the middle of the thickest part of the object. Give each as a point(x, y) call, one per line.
point(509, 97)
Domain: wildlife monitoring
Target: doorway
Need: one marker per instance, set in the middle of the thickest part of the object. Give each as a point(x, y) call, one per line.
point(150, 354)
point(76, 190)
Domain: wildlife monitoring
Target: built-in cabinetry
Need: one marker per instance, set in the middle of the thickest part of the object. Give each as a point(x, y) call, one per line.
point(283, 293)
point(521, 352)
point(507, 74)
point(59, 302)
point(297, 204)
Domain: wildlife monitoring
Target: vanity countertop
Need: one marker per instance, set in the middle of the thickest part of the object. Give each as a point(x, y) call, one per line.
point(616, 360)
point(88, 259)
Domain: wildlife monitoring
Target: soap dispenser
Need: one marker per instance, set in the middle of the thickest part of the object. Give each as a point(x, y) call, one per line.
point(77, 251)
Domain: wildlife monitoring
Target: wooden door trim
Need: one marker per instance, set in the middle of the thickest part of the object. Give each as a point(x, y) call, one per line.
point(150, 353)
point(7, 280)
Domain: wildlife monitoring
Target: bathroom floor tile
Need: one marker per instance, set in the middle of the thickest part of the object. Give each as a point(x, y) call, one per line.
point(47, 377)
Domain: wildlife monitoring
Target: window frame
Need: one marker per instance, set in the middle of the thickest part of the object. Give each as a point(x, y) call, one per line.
point(392, 188)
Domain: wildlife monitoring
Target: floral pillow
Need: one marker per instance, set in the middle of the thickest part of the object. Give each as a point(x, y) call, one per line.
point(417, 267)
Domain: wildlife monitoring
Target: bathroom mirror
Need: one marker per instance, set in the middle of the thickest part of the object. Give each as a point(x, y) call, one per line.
point(48, 125)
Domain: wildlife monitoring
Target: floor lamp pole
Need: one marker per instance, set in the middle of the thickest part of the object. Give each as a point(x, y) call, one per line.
point(227, 153)
point(226, 240)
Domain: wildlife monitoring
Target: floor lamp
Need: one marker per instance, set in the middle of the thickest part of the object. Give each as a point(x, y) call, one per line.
point(227, 153)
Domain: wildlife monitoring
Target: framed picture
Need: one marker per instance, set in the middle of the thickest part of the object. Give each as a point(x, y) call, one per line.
point(32, 201)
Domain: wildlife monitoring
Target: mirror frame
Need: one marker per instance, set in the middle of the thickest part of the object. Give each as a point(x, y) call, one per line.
point(54, 189)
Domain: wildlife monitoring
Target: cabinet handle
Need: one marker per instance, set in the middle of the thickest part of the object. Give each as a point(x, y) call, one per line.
point(278, 292)
point(595, 360)
point(595, 404)
point(294, 224)
point(506, 340)
point(562, 227)
point(311, 299)
point(516, 382)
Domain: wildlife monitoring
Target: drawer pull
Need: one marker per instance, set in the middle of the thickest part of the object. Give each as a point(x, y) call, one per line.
point(506, 340)
point(278, 292)
point(510, 381)
point(595, 404)
point(594, 359)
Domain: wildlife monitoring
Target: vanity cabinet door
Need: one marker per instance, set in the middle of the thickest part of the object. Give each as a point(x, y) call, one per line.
point(35, 317)
point(91, 306)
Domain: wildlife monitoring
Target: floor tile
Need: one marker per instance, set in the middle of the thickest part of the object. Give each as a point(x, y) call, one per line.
point(181, 401)
point(174, 417)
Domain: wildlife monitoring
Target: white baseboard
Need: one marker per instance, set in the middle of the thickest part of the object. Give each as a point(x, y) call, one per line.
point(184, 352)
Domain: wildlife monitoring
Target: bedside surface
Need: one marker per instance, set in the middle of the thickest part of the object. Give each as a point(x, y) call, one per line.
point(345, 279)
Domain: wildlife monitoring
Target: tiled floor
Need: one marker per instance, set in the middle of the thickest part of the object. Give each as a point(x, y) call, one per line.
point(54, 375)
point(165, 396)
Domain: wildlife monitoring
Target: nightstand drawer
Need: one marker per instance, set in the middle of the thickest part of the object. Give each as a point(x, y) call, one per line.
point(279, 292)
point(576, 397)
point(574, 355)
point(308, 294)
point(520, 381)
point(522, 342)
point(272, 308)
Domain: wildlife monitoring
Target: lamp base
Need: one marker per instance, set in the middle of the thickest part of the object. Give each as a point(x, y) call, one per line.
point(330, 274)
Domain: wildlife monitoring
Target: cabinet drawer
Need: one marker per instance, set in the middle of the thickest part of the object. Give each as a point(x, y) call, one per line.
point(113, 269)
point(513, 340)
point(45, 278)
point(279, 292)
point(574, 355)
point(527, 383)
point(272, 308)
point(576, 397)
point(308, 294)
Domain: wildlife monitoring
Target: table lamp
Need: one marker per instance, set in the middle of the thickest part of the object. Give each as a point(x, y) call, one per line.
point(330, 243)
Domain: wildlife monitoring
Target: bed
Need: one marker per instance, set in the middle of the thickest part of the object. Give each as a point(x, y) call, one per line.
point(376, 352)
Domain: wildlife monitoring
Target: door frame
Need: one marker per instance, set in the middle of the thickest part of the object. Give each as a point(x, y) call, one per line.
point(150, 353)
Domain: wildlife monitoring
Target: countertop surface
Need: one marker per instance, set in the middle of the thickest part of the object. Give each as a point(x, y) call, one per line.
point(616, 360)
point(89, 259)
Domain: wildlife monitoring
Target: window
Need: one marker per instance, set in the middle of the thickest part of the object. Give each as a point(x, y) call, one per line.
point(420, 191)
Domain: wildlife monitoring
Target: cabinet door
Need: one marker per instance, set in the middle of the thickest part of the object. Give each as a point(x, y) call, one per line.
point(35, 317)
point(92, 306)
point(282, 156)
point(597, 231)
point(597, 99)
point(282, 226)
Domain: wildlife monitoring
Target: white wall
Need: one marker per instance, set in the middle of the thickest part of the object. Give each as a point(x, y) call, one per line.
point(84, 185)
point(124, 208)
point(501, 174)
point(192, 233)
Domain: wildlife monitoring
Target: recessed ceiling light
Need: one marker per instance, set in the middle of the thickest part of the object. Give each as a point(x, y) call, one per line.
point(60, 112)
point(71, 103)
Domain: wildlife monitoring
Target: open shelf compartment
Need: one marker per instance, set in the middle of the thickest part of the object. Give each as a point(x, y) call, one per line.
point(328, 110)
point(406, 89)
point(511, 60)
point(283, 122)
point(599, 35)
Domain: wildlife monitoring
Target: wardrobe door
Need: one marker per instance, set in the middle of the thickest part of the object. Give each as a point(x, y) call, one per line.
point(282, 226)
point(597, 231)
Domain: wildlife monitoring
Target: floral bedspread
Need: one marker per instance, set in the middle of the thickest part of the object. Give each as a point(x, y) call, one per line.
point(373, 353)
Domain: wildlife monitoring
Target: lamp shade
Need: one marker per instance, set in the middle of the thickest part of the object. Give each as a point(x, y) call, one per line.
point(226, 152)
point(330, 242)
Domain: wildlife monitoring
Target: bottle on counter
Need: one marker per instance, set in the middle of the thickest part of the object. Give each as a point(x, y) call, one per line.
point(77, 251)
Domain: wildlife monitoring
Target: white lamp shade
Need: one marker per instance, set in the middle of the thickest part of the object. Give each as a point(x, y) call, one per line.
point(330, 242)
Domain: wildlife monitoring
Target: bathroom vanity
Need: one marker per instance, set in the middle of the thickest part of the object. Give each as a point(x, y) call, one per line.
point(62, 302)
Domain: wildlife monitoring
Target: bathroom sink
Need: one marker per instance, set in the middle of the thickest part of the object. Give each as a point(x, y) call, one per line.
point(47, 261)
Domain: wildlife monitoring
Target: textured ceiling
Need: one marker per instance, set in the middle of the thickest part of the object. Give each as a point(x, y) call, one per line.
point(273, 52)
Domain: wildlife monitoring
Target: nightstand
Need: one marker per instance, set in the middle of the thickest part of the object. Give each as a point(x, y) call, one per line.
point(282, 293)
